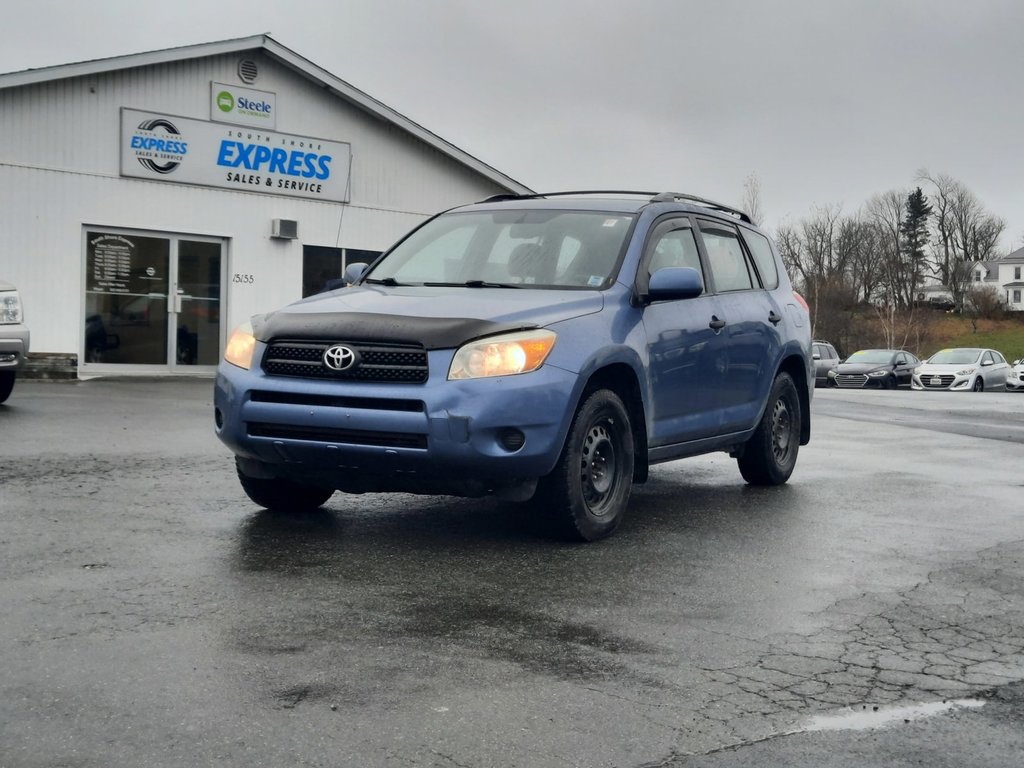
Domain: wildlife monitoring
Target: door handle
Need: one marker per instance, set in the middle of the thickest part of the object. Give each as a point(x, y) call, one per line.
point(773, 318)
point(716, 324)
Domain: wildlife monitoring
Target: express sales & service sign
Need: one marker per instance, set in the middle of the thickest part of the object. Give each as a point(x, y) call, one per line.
point(188, 151)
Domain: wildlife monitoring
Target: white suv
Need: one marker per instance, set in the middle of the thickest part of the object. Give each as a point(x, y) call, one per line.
point(14, 338)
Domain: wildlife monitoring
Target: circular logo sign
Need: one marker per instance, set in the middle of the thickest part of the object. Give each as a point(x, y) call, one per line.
point(163, 142)
point(339, 357)
point(225, 101)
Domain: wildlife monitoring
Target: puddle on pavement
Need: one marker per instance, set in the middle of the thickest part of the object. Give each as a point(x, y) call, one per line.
point(881, 717)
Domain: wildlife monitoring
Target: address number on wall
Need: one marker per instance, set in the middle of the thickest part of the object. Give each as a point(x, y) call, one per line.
point(240, 278)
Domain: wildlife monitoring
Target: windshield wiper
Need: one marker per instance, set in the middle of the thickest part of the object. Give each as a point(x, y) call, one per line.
point(388, 281)
point(474, 284)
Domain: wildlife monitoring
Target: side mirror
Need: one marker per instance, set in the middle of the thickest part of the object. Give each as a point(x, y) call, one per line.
point(354, 271)
point(675, 283)
point(985, 363)
point(815, 356)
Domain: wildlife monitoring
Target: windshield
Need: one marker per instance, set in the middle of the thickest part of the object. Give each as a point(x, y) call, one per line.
point(955, 356)
point(509, 248)
point(872, 356)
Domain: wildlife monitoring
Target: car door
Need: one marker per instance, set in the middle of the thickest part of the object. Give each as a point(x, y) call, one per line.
point(685, 344)
point(902, 369)
point(750, 337)
point(995, 372)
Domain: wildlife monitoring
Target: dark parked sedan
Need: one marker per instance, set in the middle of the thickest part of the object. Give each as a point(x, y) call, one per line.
point(880, 368)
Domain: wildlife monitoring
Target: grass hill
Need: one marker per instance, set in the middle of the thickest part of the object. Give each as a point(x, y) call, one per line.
point(1006, 336)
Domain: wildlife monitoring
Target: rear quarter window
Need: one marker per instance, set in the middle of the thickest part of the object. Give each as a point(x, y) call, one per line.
point(761, 250)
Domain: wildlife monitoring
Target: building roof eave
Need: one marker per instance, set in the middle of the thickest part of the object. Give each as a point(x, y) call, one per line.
point(287, 58)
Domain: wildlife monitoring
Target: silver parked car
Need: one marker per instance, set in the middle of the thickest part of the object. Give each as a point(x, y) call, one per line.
point(962, 369)
point(1015, 378)
point(14, 338)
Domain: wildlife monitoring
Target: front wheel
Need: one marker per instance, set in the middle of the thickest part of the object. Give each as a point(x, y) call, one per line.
point(979, 384)
point(279, 495)
point(6, 384)
point(769, 456)
point(588, 490)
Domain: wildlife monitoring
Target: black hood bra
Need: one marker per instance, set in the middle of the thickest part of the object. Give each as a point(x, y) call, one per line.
point(431, 332)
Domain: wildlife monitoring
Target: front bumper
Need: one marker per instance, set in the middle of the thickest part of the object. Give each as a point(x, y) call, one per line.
point(456, 437)
point(1015, 384)
point(945, 381)
point(14, 346)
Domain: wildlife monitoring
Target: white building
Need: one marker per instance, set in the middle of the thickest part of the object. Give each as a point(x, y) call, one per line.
point(150, 203)
point(1010, 279)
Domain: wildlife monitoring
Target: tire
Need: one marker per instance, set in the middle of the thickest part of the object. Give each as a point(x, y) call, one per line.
point(586, 494)
point(769, 456)
point(890, 383)
point(6, 384)
point(979, 384)
point(279, 495)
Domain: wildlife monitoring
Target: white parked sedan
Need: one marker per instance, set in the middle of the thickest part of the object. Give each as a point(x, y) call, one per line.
point(962, 368)
point(1015, 378)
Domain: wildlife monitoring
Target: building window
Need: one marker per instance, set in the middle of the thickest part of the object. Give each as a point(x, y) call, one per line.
point(1016, 297)
point(323, 266)
point(1016, 273)
point(320, 266)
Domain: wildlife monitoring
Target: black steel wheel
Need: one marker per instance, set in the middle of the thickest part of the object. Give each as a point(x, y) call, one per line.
point(769, 456)
point(280, 495)
point(587, 492)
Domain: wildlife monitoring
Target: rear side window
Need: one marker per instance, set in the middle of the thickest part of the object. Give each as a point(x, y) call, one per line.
point(761, 250)
point(726, 261)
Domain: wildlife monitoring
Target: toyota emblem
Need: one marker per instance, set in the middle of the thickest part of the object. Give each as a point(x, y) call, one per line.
point(339, 357)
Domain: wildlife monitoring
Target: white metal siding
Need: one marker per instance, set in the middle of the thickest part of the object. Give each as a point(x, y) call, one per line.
point(59, 155)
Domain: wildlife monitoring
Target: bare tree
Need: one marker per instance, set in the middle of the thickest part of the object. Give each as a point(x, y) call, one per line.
point(885, 212)
point(860, 241)
point(964, 232)
point(751, 203)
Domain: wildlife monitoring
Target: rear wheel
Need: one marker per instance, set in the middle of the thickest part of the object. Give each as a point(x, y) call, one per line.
point(6, 384)
point(588, 490)
point(281, 495)
point(770, 454)
point(979, 384)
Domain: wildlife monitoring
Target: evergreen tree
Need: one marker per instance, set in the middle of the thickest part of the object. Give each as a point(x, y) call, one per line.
point(915, 235)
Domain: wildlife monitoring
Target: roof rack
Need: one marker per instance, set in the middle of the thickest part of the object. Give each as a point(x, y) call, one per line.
point(668, 197)
point(656, 197)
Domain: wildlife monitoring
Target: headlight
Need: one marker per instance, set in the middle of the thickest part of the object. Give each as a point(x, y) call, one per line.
point(878, 373)
point(504, 355)
point(240, 346)
point(10, 308)
point(966, 372)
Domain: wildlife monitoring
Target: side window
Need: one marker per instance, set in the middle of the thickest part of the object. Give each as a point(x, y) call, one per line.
point(987, 358)
point(831, 352)
point(728, 265)
point(675, 248)
point(998, 357)
point(901, 359)
point(761, 250)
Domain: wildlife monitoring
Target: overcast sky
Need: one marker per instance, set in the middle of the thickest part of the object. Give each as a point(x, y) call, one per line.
point(827, 103)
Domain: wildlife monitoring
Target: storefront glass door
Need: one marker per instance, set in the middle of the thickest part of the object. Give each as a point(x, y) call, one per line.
point(152, 302)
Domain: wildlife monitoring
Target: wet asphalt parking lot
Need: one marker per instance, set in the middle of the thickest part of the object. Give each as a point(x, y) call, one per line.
point(153, 616)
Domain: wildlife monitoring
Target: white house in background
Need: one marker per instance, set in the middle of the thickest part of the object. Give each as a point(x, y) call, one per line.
point(1010, 279)
point(1006, 275)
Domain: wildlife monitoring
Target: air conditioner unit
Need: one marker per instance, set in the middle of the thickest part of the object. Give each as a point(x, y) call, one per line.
point(286, 229)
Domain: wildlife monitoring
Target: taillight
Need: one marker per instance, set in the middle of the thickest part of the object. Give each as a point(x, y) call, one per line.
point(803, 302)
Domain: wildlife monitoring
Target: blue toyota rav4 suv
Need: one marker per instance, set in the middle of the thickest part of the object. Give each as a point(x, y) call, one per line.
point(547, 348)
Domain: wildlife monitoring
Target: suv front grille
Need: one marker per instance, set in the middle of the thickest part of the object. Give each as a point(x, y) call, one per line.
point(376, 362)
